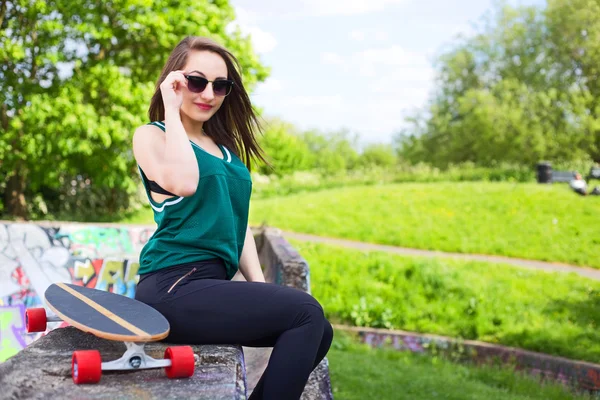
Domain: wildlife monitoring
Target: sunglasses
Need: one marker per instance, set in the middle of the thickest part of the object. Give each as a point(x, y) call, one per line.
point(197, 84)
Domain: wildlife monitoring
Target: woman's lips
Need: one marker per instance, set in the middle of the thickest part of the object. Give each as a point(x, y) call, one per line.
point(203, 106)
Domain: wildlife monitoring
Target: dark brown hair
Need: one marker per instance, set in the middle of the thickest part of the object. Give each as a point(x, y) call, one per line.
point(235, 124)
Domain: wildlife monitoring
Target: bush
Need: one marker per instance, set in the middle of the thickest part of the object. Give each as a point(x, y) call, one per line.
point(284, 150)
point(551, 313)
point(379, 155)
point(305, 181)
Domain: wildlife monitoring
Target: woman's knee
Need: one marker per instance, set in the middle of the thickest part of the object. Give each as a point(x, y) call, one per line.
point(325, 344)
point(305, 308)
point(310, 312)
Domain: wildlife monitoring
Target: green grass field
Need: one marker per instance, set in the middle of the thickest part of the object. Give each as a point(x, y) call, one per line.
point(358, 372)
point(552, 313)
point(532, 221)
point(528, 220)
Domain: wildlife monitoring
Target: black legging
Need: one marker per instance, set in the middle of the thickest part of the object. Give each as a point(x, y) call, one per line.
point(205, 308)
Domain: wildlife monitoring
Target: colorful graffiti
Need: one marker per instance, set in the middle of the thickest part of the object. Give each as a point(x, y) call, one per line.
point(32, 257)
point(416, 344)
point(12, 330)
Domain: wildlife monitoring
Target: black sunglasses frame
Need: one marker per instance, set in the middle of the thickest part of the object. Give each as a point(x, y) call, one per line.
point(194, 79)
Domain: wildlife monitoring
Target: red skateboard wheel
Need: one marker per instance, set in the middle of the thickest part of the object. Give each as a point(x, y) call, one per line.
point(182, 362)
point(86, 366)
point(35, 320)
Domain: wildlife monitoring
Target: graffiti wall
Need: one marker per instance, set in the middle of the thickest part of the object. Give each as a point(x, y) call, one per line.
point(32, 257)
point(583, 375)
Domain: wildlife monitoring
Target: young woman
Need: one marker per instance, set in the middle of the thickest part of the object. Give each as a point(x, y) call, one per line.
point(190, 159)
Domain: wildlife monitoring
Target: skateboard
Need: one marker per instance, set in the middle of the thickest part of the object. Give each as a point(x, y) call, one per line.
point(113, 317)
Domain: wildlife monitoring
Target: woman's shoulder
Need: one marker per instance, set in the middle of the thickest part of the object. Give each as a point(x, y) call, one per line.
point(154, 127)
point(148, 133)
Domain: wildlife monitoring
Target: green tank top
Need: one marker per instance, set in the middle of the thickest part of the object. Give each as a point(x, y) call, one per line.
point(211, 223)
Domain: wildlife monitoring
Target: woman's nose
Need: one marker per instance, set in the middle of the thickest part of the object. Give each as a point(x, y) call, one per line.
point(208, 93)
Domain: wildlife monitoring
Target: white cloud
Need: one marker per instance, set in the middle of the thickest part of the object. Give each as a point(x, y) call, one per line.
point(357, 35)
point(318, 101)
point(332, 58)
point(394, 55)
point(271, 85)
point(346, 7)
point(394, 60)
point(381, 36)
point(393, 63)
point(245, 16)
point(312, 8)
point(362, 36)
point(262, 41)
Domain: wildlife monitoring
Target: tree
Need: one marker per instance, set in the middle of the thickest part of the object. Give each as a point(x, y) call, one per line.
point(75, 80)
point(377, 154)
point(334, 152)
point(522, 90)
point(574, 28)
point(284, 148)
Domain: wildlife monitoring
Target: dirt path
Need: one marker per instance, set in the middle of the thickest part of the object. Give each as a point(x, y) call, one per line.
point(518, 262)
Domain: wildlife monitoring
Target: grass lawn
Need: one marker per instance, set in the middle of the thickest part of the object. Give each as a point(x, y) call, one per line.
point(542, 222)
point(528, 220)
point(547, 312)
point(359, 372)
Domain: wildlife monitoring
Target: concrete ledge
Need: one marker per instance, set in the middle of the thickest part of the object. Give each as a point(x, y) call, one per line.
point(282, 263)
point(318, 386)
point(580, 374)
point(43, 371)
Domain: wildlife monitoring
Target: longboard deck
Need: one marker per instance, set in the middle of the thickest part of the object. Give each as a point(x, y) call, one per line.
point(106, 315)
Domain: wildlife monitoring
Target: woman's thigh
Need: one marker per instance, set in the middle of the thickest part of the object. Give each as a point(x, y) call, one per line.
point(247, 313)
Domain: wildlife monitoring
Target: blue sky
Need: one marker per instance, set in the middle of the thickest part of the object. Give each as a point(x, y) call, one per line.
point(355, 64)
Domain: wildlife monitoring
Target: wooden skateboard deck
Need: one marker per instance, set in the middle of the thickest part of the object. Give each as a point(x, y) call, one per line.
point(106, 315)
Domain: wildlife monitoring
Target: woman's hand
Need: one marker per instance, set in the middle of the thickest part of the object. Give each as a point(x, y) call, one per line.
point(172, 90)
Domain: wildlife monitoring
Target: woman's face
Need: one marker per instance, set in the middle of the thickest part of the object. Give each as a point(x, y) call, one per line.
point(201, 106)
